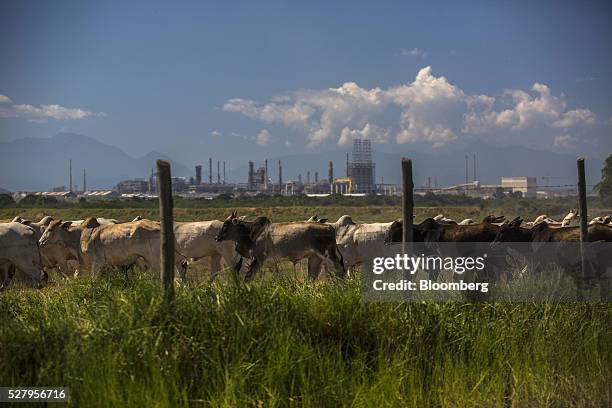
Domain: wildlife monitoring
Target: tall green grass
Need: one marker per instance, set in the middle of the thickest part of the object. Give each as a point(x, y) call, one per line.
point(282, 341)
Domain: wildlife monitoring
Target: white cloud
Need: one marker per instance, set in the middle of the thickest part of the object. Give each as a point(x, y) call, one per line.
point(542, 110)
point(429, 109)
point(216, 133)
point(263, 137)
point(574, 117)
point(415, 52)
point(564, 142)
point(42, 113)
point(375, 133)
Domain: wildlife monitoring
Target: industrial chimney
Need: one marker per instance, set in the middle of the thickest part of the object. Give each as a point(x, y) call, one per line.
point(223, 171)
point(280, 177)
point(330, 172)
point(70, 171)
point(84, 180)
point(266, 177)
point(210, 170)
point(251, 173)
point(198, 170)
point(316, 177)
point(218, 173)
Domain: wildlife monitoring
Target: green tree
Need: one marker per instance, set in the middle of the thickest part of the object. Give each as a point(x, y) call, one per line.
point(604, 187)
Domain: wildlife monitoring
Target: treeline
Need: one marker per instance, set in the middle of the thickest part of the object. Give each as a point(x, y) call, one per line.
point(262, 200)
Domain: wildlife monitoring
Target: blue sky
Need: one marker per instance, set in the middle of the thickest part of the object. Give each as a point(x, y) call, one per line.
point(262, 79)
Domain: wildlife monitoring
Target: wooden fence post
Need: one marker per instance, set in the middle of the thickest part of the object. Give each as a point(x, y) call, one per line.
point(164, 185)
point(583, 219)
point(407, 203)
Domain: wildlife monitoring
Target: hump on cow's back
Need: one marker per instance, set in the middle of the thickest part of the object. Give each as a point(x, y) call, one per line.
point(90, 222)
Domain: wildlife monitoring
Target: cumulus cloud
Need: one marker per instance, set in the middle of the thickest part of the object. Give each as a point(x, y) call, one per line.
point(8, 109)
point(543, 109)
point(216, 133)
point(375, 133)
point(429, 109)
point(263, 137)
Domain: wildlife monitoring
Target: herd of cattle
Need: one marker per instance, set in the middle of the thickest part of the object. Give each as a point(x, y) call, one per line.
point(32, 248)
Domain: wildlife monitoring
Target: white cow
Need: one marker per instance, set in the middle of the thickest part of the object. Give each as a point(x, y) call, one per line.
point(359, 243)
point(96, 246)
point(19, 252)
point(196, 240)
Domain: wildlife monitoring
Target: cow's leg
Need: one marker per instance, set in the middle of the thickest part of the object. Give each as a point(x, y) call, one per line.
point(314, 267)
point(215, 265)
point(10, 273)
point(336, 257)
point(253, 268)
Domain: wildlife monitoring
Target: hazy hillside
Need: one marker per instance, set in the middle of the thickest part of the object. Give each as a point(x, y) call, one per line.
point(41, 163)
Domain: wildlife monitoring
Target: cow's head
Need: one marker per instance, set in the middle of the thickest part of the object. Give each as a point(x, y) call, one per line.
point(64, 235)
point(58, 233)
point(230, 230)
point(511, 231)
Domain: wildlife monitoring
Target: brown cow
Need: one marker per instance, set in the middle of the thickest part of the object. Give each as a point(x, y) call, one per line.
point(260, 239)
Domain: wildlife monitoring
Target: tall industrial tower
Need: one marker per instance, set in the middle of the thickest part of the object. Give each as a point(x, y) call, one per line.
point(362, 170)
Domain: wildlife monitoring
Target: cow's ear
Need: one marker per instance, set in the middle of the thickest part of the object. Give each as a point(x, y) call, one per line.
point(229, 217)
point(65, 224)
point(91, 222)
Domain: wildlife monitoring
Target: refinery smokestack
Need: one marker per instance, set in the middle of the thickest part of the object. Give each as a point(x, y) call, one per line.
point(308, 177)
point(223, 171)
point(210, 170)
point(84, 180)
point(347, 166)
point(251, 173)
point(280, 177)
point(316, 177)
point(474, 166)
point(198, 179)
point(218, 173)
point(70, 171)
point(330, 172)
point(266, 176)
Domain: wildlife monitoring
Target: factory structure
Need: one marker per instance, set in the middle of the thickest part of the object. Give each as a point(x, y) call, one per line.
point(357, 178)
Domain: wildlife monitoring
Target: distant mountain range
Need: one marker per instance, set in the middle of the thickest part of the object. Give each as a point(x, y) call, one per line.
point(37, 164)
point(33, 164)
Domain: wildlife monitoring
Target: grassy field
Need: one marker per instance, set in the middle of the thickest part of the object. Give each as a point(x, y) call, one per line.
point(283, 341)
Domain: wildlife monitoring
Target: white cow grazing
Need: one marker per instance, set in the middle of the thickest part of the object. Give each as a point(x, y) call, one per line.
point(19, 251)
point(196, 240)
point(96, 246)
point(51, 257)
point(359, 243)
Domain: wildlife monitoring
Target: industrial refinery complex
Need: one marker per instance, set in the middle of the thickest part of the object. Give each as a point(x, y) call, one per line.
point(357, 178)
